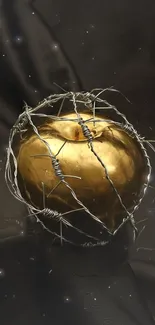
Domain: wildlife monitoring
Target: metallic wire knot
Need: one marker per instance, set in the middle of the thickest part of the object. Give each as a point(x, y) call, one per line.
point(93, 101)
point(23, 121)
point(56, 166)
point(51, 214)
point(85, 130)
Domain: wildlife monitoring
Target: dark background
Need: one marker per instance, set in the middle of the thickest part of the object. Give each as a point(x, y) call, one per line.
point(80, 45)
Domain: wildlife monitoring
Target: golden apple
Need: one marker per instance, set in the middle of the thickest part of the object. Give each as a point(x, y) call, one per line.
point(120, 153)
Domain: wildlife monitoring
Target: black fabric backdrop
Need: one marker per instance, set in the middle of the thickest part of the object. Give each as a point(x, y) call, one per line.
point(79, 45)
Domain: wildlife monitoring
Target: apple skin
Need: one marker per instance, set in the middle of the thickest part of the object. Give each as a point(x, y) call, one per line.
point(120, 153)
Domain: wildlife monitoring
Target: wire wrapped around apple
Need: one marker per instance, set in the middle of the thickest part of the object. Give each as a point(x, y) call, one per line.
point(106, 173)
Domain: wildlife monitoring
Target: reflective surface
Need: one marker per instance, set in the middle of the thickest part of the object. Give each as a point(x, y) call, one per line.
point(121, 155)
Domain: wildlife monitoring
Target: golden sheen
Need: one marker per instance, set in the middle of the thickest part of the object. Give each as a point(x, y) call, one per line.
point(119, 152)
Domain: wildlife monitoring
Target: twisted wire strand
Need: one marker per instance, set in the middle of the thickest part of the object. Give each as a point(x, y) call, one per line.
point(88, 135)
point(89, 99)
point(140, 140)
point(60, 217)
point(48, 230)
point(58, 172)
point(129, 127)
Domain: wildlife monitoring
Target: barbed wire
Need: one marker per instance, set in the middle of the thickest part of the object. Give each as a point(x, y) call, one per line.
point(90, 101)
